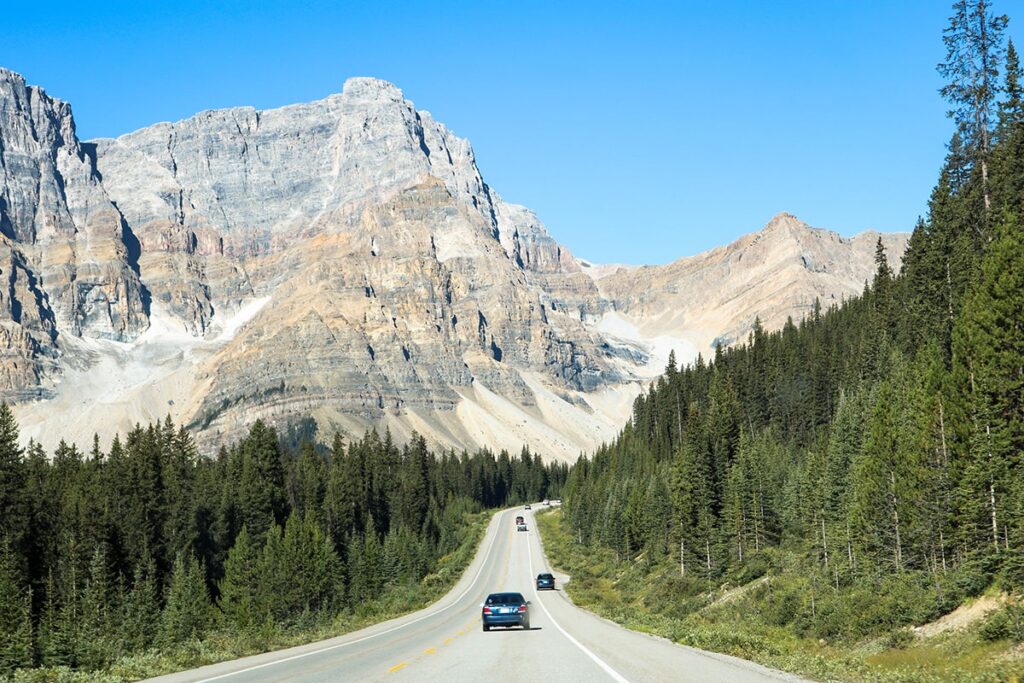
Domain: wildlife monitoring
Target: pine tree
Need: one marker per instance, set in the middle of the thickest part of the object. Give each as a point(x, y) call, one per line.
point(413, 483)
point(263, 500)
point(989, 350)
point(886, 479)
point(13, 513)
point(186, 614)
point(98, 615)
point(1011, 109)
point(140, 616)
point(16, 650)
point(306, 482)
point(973, 53)
point(240, 589)
point(299, 571)
point(365, 559)
point(1008, 156)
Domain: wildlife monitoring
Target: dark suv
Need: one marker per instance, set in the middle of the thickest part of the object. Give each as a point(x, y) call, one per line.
point(545, 582)
point(506, 609)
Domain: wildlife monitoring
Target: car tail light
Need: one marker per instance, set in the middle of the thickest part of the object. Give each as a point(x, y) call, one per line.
point(522, 608)
point(487, 610)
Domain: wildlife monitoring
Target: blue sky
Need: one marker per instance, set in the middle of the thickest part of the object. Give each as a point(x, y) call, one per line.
point(639, 132)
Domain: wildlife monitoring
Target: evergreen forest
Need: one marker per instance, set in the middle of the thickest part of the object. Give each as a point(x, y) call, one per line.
point(149, 547)
point(860, 469)
point(871, 453)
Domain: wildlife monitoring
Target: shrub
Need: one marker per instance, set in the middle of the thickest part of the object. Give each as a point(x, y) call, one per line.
point(1003, 624)
point(900, 638)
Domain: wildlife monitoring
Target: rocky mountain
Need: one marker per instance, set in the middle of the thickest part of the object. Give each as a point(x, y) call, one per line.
point(69, 260)
point(342, 259)
point(777, 273)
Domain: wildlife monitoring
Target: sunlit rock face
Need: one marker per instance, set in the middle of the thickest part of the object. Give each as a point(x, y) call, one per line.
point(775, 274)
point(66, 255)
point(341, 259)
point(393, 283)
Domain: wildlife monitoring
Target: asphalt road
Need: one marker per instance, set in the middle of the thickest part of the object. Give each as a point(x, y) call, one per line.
point(445, 642)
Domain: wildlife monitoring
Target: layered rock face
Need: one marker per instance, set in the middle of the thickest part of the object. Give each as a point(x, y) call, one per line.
point(342, 259)
point(395, 277)
point(66, 252)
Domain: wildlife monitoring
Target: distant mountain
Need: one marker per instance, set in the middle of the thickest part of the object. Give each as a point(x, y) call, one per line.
point(342, 259)
point(715, 297)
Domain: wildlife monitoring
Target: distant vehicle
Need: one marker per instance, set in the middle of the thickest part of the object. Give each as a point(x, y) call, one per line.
point(520, 520)
point(545, 581)
point(527, 507)
point(505, 609)
point(521, 527)
point(547, 503)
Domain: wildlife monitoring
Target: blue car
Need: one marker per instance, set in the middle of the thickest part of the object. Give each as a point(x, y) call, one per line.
point(545, 582)
point(506, 609)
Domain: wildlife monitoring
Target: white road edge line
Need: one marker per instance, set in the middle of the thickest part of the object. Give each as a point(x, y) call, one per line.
point(619, 678)
point(456, 601)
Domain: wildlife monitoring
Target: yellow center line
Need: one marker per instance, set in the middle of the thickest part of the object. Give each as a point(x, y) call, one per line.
point(396, 667)
point(447, 640)
point(430, 651)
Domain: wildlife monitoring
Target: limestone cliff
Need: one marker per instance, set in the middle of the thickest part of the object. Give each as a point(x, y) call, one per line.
point(342, 259)
point(394, 276)
point(69, 260)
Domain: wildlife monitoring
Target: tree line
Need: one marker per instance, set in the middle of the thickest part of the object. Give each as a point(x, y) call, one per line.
point(150, 545)
point(880, 438)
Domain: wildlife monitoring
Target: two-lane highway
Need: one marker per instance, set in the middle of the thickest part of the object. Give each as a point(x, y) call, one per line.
point(445, 642)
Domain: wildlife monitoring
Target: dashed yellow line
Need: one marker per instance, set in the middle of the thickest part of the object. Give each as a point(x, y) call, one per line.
point(448, 640)
point(398, 667)
point(430, 651)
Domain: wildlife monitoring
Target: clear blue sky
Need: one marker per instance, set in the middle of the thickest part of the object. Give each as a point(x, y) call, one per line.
point(639, 132)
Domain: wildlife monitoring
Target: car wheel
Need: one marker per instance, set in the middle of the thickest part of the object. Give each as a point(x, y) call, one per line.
point(486, 628)
point(526, 625)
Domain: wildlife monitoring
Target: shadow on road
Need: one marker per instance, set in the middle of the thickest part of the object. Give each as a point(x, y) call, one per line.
point(516, 629)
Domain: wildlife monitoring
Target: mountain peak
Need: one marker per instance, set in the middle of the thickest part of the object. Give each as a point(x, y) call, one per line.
point(367, 87)
point(6, 74)
point(783, 221)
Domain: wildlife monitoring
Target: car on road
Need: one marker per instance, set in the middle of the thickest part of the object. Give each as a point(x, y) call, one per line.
point(505, 609)
point(545, 581)
point(521, 527)
point(527, 507)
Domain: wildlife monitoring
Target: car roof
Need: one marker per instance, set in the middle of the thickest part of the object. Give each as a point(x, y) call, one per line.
point(544, 574)
point(505, 597)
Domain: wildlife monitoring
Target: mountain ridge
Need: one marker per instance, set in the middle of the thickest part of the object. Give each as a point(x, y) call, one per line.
point(342, 259)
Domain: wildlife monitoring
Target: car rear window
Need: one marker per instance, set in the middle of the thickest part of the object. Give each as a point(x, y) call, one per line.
point(505, 598)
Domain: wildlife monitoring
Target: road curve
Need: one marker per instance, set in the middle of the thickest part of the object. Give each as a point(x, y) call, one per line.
point(445, 641)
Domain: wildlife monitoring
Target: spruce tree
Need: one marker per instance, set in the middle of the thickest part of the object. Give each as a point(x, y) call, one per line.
point(13, 512)
point(186, 615)
point(140, 615)
point(299, 571)
point(974, 50)
point(1011, 108)
point(262, 496)
point(16, 631)
point(240, 590)
point(989, 350)
point(98, 615)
